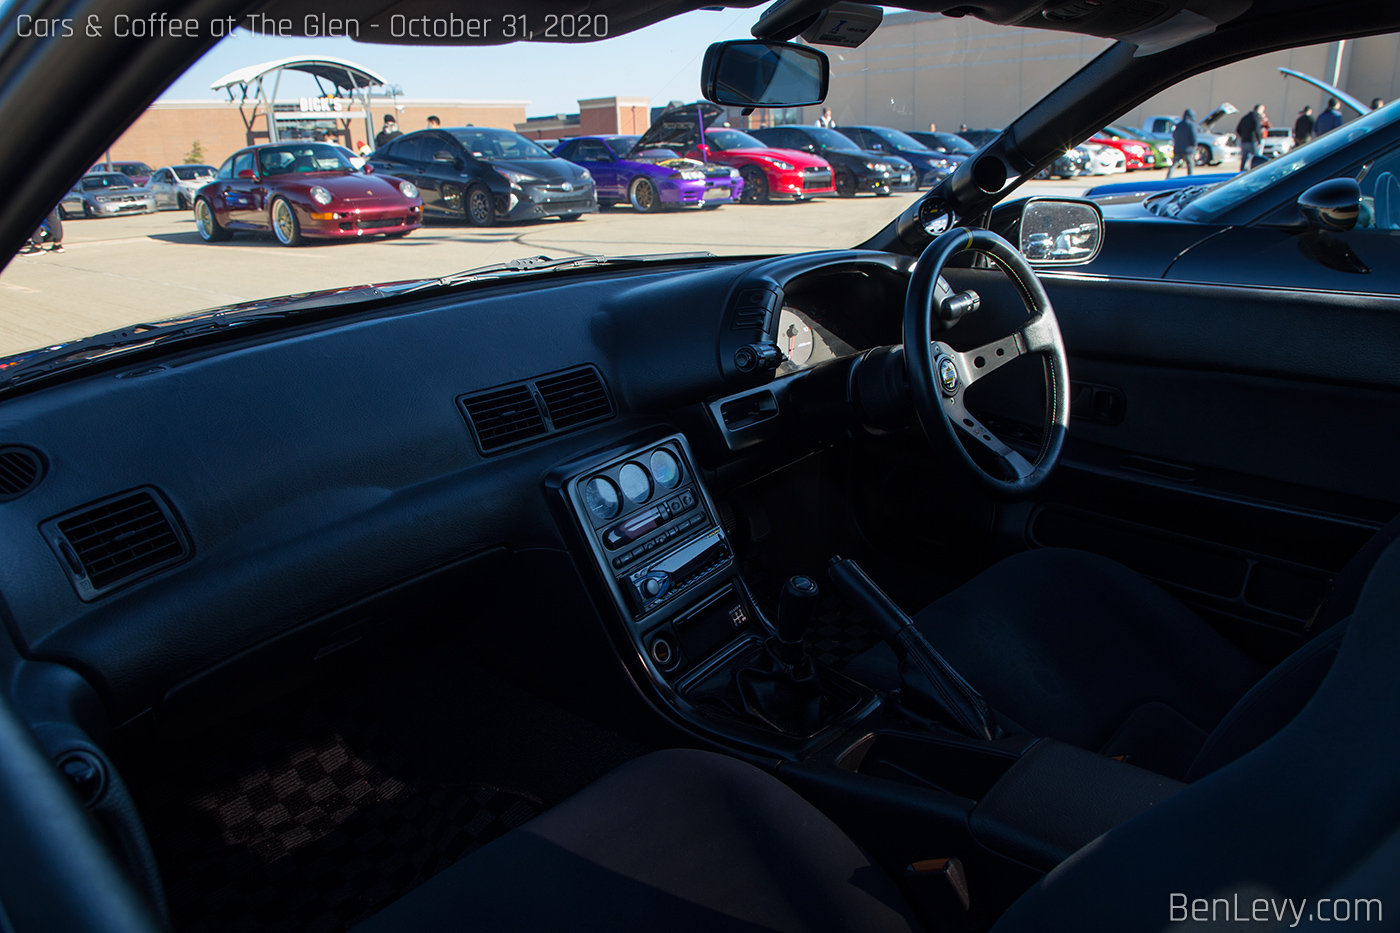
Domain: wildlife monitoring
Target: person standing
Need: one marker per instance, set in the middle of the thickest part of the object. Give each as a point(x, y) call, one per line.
point(825, 118)
point(391, 129)
point(51, 228)
point(1303, 126)
point(1185, 139)
point(434, 123)
point(1329, 119)
point(1250, 131)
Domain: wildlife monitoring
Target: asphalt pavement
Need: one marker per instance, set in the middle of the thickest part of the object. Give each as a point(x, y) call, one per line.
point(120, 271)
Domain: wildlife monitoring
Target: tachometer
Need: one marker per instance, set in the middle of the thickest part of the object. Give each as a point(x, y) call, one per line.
point(794, 337)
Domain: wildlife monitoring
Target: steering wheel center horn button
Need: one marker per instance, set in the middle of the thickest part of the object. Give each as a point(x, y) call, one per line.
point(947, 375)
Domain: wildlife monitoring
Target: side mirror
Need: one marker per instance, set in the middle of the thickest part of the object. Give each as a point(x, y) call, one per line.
point(247, 173)
point(1060, 232)
point(1333, 205)
point(753, 73)
point(368, 169)
point(443, 155)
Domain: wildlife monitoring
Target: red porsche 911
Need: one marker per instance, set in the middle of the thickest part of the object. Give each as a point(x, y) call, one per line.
point(303, 190)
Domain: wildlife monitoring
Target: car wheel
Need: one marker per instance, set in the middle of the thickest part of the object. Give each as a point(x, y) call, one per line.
point(755, 185)
point(845, 185)
point(1203, 154)
point(606, 205)
point(210, 231)
point(182, 203)
point(643, 195)
point(285, 225)
point(62, 214)
point(571, 217)
point(477, 208)
point(87, 210)
point(883, 192)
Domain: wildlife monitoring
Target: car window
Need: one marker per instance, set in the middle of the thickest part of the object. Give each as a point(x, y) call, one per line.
point(226, 170)
point(192, 172)
point(408, 149)
point(161, 177)
point(1380, 192)
point(1229, 194)
point(725, 139)
point(492, 144)
point(314, 157)
point(243, 162)
point(590, 150)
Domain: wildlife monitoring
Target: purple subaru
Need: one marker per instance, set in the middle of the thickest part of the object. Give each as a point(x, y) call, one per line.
point(650, 179)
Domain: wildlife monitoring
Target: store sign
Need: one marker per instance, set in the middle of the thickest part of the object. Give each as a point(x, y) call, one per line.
point(322, 104)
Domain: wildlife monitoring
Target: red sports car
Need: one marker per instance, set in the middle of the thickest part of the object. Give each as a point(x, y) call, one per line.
point(301, 190)
point(767, 172)
point(1136, 154)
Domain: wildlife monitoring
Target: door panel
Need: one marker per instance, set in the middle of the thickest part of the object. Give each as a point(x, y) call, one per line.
point(1247, 452)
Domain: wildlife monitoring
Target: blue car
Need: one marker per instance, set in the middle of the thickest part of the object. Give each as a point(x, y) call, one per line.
point(650, 179)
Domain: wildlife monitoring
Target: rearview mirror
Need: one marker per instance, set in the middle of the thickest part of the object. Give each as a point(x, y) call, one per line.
point(753, 73)
point(1060, 232)
point(1333, 205)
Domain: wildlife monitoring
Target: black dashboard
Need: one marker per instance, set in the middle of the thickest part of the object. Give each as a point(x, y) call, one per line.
point(245, 490)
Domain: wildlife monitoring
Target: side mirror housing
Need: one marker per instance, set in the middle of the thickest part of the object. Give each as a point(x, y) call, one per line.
point(754, 73)
point(1333, 205)
point(1060, 231)
point(369, 168)
point(247, 173)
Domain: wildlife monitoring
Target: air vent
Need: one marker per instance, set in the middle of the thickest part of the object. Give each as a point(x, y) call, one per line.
point(20, 471)
point(116, 541)
point(574, 398)
point(504, 417)
point(509, 416)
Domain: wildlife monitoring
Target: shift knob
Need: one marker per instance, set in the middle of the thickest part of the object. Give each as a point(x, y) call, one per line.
point(795, 608)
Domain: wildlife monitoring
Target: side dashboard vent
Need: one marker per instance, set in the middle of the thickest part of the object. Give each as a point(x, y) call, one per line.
point(20, 471)
point(116, 541)
point(575, 397)
point(509, 416)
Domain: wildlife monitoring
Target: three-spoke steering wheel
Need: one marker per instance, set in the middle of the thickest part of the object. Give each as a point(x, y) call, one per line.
point(940, 375)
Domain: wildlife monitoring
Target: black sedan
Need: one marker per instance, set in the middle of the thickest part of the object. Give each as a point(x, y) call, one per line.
point(932, 166)
point(482, 175)
point(1273, 225)
point(856, 169)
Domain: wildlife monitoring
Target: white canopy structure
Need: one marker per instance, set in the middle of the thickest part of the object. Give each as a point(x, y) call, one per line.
point(344, 98)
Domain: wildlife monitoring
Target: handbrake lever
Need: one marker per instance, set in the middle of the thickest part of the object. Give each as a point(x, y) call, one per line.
point(929, 684)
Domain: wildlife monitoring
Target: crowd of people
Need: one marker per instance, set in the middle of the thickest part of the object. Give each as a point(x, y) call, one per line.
point(1251, 131)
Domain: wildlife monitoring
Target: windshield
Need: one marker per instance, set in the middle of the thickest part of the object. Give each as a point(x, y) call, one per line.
point(899, 140)
point(499, 144)
point(105, 180)
point(951, 142)
point(1208, 204)
point(830, 139)
point(315, 157)
point(463, 177)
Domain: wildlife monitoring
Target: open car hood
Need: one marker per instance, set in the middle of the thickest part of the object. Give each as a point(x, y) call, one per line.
point(678, 128)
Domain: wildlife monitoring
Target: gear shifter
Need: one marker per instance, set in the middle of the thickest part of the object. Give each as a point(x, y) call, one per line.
point(795, 608)
point(928, 684)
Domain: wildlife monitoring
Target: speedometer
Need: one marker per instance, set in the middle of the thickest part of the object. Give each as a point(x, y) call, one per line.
point(794, 337)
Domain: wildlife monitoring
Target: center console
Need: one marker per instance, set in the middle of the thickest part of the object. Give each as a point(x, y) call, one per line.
point(670, 570)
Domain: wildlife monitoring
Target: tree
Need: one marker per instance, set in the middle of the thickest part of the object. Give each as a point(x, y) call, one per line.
point(196, 154)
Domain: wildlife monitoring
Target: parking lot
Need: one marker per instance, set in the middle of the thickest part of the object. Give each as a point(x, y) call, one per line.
point(124, 270)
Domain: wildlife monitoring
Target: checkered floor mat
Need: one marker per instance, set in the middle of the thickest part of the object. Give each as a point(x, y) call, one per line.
point(306, 822)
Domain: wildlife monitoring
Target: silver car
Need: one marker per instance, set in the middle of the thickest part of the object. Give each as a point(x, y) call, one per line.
point(175, 185)
point(106, 194)
point(1212, 148)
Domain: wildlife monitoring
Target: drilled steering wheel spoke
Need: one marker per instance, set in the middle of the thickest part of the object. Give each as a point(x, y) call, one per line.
point(974, 364)
point(1038, 335)
point(959, 416)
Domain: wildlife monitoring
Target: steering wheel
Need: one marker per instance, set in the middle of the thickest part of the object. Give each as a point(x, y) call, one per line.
point(939, 375)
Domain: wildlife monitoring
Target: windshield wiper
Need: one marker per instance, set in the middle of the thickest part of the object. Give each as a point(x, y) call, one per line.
point(538, 264)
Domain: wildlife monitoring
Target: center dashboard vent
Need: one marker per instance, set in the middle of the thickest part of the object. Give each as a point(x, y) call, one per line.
point(509, 416)
point(116, 541)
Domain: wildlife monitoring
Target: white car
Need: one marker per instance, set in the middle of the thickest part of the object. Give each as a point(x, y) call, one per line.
point(1277, 141)
point(174, 186)
point(1106, 160)
point(1211, 148)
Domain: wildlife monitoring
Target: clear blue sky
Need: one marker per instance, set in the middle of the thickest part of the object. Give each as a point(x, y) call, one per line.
point(661, 62)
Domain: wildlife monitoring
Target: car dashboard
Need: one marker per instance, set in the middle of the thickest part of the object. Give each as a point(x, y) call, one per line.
point(259, 493)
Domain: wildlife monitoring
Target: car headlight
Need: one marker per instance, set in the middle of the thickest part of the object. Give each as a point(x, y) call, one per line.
point(779, 163)
point(321, 196)
point(734, 173)
point(691, 175)
point(515, 178)
point(877, 166)
point(407, 188)
point(584, 174)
